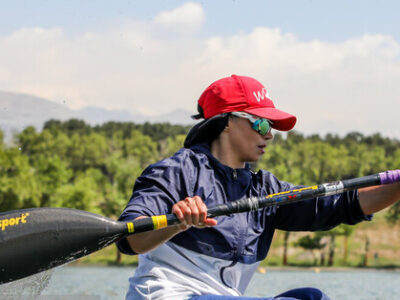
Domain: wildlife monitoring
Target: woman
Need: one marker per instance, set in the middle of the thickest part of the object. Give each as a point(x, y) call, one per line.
point(204, 258)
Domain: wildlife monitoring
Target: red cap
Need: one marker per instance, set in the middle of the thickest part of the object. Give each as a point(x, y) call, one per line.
point(241, 93)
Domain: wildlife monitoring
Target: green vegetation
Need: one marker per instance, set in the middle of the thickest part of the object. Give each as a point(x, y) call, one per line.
point(71, 164)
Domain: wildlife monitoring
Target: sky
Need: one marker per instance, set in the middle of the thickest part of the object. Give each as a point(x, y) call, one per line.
point(333, 64)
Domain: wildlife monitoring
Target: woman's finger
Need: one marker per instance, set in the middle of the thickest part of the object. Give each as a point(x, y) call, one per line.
point(193, 218)
point(202, 209)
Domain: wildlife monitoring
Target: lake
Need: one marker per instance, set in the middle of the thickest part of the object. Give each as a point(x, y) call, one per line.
point(95, 283)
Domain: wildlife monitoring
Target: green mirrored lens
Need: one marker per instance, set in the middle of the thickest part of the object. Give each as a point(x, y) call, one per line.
point(262, 126)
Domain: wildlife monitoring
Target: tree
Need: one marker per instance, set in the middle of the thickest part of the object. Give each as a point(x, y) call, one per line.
point(76, 126)
point(142, 148)
point(1, 138)
point(54, 126)
point(122, 173)
point(87, 151)
point(170, 145)
point(364, 262)
point(83, 193)
point(310, 243)
point(19, 187)
point(285, 247)
point(340, 230)
point(27, 140)
point(346, 231)
point(52, 173)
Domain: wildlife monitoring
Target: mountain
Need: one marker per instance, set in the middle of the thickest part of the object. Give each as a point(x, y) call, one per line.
point(98, 115)
point(178, 116)
point(18, 111)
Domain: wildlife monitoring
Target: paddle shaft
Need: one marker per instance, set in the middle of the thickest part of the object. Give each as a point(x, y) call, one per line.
point(282, 198)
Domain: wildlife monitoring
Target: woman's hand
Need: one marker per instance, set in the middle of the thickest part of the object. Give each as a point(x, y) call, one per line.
point(192, 212)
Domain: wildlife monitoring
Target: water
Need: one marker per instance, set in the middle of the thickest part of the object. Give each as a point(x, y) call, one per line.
point(109, 283)
point(26, 288)
point(343, 285)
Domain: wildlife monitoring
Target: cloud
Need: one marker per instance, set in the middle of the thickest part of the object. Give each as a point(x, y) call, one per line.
point(331, 87)
point(185, 19)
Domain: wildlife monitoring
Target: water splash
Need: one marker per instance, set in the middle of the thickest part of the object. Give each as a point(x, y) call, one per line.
point(26, 288)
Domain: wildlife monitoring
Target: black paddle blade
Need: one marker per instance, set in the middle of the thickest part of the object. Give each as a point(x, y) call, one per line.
point(38, 239)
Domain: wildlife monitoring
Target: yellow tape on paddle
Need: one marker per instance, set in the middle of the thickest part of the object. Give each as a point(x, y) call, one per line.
point(315, 187)
point(159, 221)
point(131, 227)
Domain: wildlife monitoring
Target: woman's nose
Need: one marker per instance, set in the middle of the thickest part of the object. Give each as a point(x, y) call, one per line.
point(269, 135)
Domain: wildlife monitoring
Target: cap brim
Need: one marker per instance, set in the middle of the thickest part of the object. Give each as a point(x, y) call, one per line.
point(281, 120)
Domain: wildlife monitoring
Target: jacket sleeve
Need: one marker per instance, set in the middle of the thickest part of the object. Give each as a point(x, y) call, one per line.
point(321, 213)
point(155, 192)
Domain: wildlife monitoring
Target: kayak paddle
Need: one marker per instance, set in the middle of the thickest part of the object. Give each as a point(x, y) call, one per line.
point(37, 239)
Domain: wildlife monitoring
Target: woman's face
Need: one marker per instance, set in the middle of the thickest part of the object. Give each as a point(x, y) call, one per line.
point(246, 144)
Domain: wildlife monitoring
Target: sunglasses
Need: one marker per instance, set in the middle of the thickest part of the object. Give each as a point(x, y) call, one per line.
point(261, 125)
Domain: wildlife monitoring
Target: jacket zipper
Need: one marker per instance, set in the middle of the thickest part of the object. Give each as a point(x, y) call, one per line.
point(235, 174)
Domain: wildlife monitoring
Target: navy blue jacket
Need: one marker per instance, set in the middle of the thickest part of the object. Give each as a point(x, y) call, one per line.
point(244, 237)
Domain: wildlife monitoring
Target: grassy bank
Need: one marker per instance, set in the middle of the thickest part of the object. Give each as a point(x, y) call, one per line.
point(383, 247)
point(107, 256)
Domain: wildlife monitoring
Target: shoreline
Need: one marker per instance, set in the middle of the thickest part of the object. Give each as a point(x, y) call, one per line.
point(318, 269)
point(261, 269)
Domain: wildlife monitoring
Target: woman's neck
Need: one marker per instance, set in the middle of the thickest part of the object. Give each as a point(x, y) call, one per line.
point(225, 155)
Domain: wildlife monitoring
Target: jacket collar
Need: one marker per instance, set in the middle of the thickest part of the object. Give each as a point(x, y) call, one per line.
point(206, 149)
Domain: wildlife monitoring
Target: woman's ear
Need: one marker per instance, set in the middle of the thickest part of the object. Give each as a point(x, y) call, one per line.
point(228, 124)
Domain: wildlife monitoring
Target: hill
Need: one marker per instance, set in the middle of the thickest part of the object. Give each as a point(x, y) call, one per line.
point(18, 111)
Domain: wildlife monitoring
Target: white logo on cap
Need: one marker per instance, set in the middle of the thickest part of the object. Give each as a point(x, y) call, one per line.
point(259, 95)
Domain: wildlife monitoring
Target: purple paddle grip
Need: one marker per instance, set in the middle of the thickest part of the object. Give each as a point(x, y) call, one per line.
point(389, 177)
